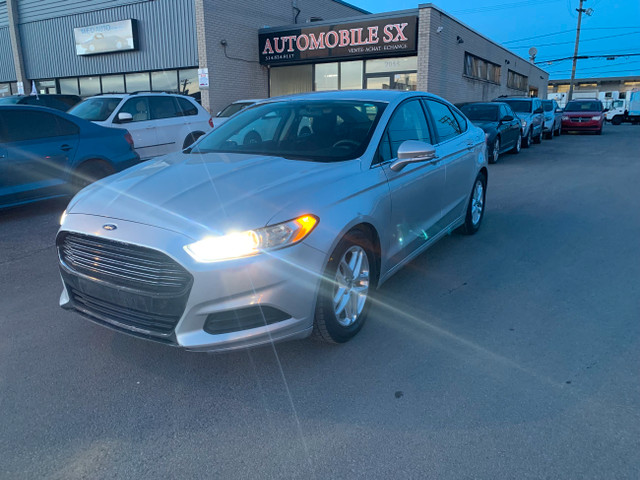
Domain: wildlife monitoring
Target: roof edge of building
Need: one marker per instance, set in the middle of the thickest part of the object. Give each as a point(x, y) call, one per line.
point(440, 10)
point(347, 4)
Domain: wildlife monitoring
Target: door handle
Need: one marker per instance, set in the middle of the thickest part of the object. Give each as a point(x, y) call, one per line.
point(65, 147)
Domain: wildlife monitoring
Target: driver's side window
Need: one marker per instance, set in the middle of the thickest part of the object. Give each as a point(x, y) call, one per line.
point(138, 107)
point(407, 123)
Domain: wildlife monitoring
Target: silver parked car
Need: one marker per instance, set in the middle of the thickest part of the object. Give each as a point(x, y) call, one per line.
point(236, 243)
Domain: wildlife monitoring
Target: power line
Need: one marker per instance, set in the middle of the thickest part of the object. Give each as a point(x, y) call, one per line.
point(587, 40)
point(583, 57)
point(563, 31)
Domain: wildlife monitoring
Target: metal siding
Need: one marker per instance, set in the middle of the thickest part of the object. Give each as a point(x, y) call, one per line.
point(4, 15)
point(7, 70)
point(166, 39)
point(35, 10)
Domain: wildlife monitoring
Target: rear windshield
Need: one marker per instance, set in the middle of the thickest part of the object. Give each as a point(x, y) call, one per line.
point(522, 106)
point(96, 109)
point(547, 105)
point(233, 109)
point(583, 107)
point(323, 131)
point(487, 113)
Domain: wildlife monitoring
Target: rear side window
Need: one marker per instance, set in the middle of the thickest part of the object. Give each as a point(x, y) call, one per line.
point(462, 122)
point(407, 123)
point(446, 124)
point(23, 125)
point(187, 108)
point(163, 107)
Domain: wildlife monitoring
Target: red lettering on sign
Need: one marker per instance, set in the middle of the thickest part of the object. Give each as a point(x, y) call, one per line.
point(333, 43)
point(267, 47)
point(299, 41)
point(344, 38)
point(388, 34)
point(316, 43)
point(400, 36)
point(278, 48)
point(373, 35)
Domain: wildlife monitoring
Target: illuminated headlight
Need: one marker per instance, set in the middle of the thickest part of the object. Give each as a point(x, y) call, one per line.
point(252, 242)
point(596, 117)
point(62, 217)
point(565, 117)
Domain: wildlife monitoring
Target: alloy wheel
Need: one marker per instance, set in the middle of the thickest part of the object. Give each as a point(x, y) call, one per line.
point(351, 285)
point(477, 203)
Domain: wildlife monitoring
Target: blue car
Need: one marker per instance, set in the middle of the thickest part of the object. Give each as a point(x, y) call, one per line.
point(45, 153)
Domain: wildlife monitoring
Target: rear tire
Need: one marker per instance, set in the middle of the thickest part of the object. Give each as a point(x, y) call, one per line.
point(476, 206)
point(495, 153)
point(344, 296)
point(518, 146)
point(89, 172)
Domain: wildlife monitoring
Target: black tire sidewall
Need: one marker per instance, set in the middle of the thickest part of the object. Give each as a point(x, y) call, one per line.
point(325, 318)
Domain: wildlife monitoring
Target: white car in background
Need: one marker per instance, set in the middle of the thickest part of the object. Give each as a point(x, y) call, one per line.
point(160, 123)
point(233, 108)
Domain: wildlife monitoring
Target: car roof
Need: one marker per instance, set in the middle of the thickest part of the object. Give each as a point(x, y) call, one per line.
point(248, 100)
point(481, 103)
point(502, 99)
point(364, 95)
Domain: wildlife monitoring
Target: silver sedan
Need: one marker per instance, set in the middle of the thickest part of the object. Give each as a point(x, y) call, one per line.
point(280, 223)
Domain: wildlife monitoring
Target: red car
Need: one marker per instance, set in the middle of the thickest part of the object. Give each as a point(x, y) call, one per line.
point(583, 116)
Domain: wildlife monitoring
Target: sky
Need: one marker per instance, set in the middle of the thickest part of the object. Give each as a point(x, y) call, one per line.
point(550, 26)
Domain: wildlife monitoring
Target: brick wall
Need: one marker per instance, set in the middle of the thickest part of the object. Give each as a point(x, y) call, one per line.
point(237, 22)
point(441, 61)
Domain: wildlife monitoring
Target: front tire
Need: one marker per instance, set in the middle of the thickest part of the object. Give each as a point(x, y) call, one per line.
point(617, 120)
point(538, 139)
point(344, 297)
point(495, 154)
point(475, 207)
point(527, 140)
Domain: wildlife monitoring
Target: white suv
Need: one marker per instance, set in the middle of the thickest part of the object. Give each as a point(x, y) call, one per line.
point(159, 123)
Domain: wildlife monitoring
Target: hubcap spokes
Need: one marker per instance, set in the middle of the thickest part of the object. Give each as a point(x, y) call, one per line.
point(477, 203)
point(496, 151)
point(351, 286)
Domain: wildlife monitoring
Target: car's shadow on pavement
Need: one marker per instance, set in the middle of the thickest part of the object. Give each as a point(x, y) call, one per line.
point(44, 207)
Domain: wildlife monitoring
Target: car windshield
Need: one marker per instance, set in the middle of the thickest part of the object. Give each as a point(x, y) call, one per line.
point(233, 109)
point(583, 107)
point(324, 131)
point(487, 113)
point(547, 105)
point(9, 100)
point(96, 109)
point(522, 106)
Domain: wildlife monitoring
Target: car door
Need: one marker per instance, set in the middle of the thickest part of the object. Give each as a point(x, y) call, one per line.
point(512, 128)
point(39, 147)
point(457, 153)
point(141, 127)
point(171, 127)
point(416, 190)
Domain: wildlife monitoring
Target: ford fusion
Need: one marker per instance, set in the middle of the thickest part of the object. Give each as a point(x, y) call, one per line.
point(278, 224)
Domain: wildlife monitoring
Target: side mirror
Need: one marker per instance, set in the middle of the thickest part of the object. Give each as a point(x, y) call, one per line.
point(538, 110)
point(507, 118)
point(559, 110)
point(124, 117)
point(413, 151)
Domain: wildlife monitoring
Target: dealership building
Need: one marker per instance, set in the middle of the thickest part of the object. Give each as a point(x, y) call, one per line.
point(221, 51)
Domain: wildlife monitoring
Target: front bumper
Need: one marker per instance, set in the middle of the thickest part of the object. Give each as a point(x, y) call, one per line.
point(285, 281)
point(575, 125)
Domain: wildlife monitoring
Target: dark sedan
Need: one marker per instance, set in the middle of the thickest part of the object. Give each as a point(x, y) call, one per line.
point(583, 116)
point(45, 153)
point(501, 126)
point(59, 102)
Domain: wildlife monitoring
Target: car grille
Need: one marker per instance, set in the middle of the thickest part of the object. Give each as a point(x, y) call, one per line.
point(123, 264)
point(119, 316)
point(581, 119)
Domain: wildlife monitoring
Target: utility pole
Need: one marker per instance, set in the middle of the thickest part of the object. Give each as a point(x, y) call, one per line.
point(580, 11)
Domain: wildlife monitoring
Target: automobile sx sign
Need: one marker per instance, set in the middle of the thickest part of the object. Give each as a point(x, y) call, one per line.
point(377, 37)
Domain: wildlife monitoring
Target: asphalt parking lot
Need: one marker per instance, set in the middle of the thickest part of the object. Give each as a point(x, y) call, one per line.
point(514, 353)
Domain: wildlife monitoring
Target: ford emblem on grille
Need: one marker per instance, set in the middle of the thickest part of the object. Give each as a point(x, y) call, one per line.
point(110, 226)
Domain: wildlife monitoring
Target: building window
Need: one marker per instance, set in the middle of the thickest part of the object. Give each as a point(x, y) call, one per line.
point(113, 84)
point(137, 82)
point(46, 86)
point(351, 75)
point(517, 81)
point(164, 81)
point(293, 79)
point(188, 83)
point(326, 76)
point(476, 67)
point(385, 65)
point(5, 89)
point(69, 86)
point(90, 86)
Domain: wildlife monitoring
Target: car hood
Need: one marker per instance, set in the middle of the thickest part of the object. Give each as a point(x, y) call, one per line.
point(523, 116)
point(212, 193)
